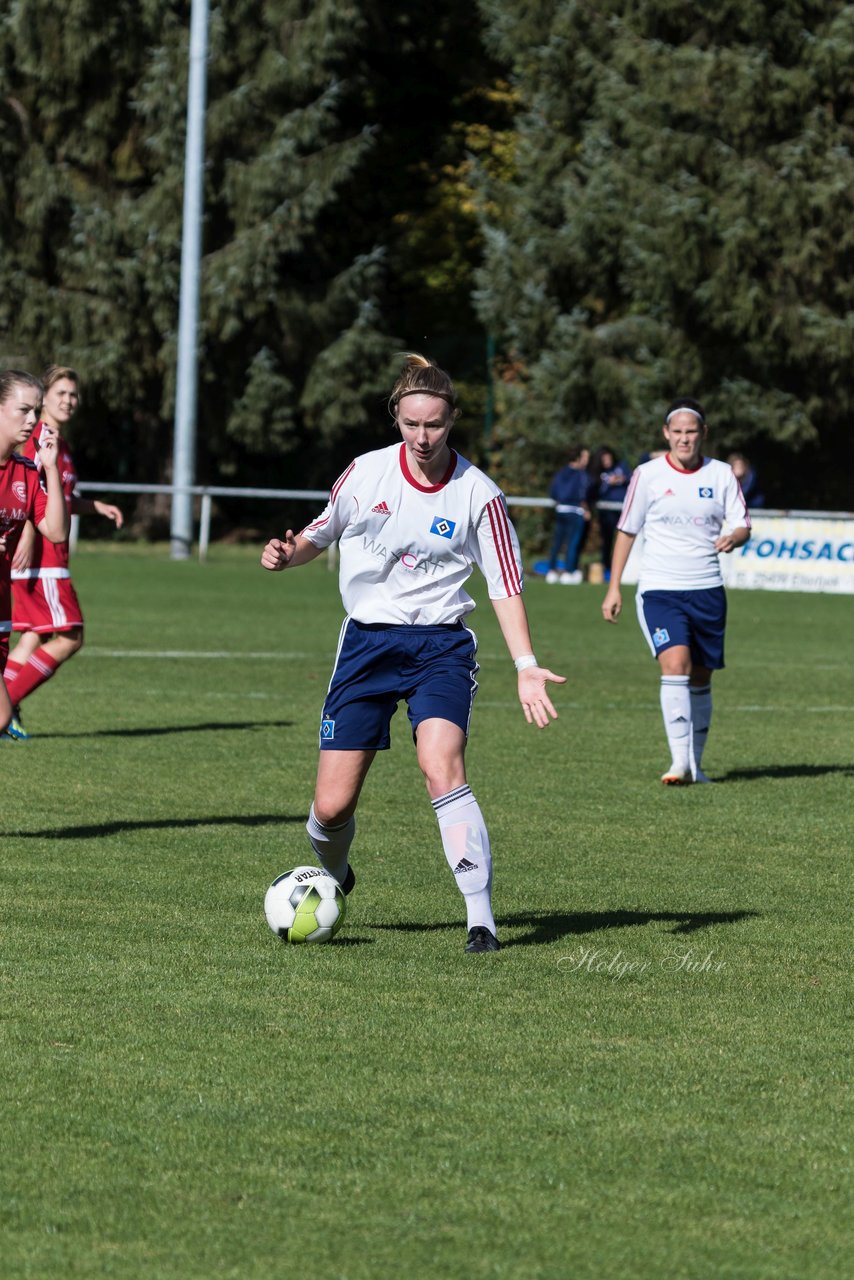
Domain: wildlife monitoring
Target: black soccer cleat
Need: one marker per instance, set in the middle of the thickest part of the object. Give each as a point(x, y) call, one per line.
point(480, 939)
point(349, 881)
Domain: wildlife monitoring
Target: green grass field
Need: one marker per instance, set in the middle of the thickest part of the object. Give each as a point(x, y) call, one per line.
point(649, 1080)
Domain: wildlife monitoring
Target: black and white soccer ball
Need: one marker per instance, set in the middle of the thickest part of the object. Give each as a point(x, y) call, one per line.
point(305, 905)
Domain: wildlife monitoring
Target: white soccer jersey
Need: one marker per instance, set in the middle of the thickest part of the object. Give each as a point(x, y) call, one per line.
point(407, 549)
point(681, 514)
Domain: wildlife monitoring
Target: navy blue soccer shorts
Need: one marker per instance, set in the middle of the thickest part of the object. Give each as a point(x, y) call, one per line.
point(696, 619)
point(432, 669)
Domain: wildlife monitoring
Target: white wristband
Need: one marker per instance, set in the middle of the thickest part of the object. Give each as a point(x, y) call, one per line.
point(527, 661)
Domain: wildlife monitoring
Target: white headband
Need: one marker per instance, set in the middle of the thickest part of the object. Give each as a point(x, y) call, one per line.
point(683, 408)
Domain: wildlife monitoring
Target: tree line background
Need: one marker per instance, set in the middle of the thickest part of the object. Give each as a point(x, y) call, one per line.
point(580, 209)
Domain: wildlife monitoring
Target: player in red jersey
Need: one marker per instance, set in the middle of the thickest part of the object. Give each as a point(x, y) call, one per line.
point(45, 606)
point(27, 492)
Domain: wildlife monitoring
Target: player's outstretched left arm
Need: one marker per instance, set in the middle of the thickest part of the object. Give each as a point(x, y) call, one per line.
point(93, 507)
point(532, 678)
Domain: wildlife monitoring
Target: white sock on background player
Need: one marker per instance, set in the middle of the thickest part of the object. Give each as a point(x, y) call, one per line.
point(331, 844)
point(701, 718)
point(466, 844)
point(676, 711)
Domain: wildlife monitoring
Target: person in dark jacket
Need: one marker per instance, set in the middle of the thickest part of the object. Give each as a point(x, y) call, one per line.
point(568, 490)
point(746, 476)
point(609, 481)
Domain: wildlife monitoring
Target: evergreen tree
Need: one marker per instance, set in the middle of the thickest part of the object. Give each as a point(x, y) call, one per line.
point(677, 222)
point(91, 220)
point(338, 220)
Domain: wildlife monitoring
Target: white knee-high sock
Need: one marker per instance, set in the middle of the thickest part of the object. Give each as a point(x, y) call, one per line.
point(701, 718)
point(331, 844)
point(466, 844)
point(676, 711)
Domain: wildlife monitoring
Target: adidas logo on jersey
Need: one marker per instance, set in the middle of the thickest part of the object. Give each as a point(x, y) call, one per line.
point(381, 509)
point(464, 865)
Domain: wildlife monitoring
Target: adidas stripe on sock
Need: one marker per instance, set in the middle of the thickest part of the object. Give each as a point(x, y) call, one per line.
point(676, 713)
point(466, 844)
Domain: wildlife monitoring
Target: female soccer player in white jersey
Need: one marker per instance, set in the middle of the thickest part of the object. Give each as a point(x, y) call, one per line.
point(411, 521)
point(23, 495)
point(681, 502)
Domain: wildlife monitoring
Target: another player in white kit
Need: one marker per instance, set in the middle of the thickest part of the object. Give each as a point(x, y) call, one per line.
point(681, 501)
point(411, 521)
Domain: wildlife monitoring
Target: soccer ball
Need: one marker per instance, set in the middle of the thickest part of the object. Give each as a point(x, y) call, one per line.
point(305, 905)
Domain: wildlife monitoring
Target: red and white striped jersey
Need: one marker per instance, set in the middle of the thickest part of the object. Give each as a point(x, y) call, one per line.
point(407, 549)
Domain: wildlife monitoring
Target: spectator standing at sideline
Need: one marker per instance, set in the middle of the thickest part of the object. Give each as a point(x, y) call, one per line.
point(681, 502)
point(609, 482)
point(411, 521)
point(27, 492)
point(45, 606)
point(568, 490)
point(745, 474)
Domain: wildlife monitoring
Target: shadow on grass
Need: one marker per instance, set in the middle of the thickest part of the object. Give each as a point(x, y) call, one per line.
point(161, 730)
point(787, 771)
point(159, 824)
point(549, 927)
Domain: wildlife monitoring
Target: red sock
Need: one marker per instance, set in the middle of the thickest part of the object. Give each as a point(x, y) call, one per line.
point(40, 667)
point(12, 669)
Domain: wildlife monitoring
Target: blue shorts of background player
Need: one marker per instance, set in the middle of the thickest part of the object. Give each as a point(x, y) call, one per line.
point(696, 619)
point(432, 669)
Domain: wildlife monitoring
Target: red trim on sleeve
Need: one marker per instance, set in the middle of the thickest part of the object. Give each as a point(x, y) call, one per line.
point(333, 496)
point(500, 526)
point(747, 524)
point(629, 498)
point(336, 488)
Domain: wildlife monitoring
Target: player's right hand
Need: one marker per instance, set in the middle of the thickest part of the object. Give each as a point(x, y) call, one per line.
point(612, 605)
point(279, 552)
point(48, 448)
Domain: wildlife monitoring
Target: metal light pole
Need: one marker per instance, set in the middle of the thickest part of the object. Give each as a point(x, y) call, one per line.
point(184, 446)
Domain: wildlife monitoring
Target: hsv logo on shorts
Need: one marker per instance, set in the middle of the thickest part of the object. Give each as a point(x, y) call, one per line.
point(660, 636)
point(327, 730)
point(444, 527)
point(706, 493)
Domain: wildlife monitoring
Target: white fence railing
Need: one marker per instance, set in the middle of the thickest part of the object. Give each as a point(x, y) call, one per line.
point(790, 550)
